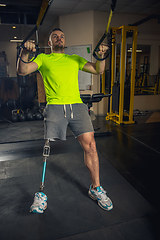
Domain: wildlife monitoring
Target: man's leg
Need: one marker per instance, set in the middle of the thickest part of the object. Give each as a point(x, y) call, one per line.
point(96, 192)
point(40, 199)
point(91, 160)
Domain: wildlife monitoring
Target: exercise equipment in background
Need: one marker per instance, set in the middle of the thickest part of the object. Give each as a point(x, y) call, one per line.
point(122, 91)
point(21, 116)
point(14, 116)
point(18, 115)
point(89, 100)
point(28, 115)
point(39, 115)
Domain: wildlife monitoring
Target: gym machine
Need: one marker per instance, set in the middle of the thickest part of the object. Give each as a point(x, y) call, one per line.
point(89, 100)
point(118, 112)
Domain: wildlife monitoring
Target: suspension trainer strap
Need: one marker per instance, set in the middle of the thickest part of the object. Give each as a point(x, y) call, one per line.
point(44, 8)
point(113, 5)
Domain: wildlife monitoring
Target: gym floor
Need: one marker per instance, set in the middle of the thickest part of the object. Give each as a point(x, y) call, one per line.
point(128, 171)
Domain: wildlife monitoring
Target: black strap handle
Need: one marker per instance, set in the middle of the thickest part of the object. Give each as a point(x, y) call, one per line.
point(44, 8)
point(19, 48)
point(96, 50)
point(113, 5)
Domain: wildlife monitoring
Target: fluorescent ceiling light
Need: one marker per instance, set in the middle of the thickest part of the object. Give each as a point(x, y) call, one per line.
point(16, 40)
point(2, 5)
point(130, 50)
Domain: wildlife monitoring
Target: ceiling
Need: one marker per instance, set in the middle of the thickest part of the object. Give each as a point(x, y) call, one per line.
point(24, 13)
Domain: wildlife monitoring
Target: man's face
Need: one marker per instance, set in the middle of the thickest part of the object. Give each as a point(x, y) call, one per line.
point(57, 40)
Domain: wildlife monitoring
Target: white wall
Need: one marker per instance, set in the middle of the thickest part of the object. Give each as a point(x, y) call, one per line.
point(78, 28)
point(11, 52)
point(147, 102)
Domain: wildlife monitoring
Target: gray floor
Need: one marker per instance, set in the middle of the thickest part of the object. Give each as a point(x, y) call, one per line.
point(71, 214)
point(33, 130)
point(21, 131)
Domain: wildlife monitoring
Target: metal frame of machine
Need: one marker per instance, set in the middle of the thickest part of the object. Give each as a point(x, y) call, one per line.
point(118, 117)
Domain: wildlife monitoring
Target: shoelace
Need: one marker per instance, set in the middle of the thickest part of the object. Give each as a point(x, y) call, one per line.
point(36, 200)
point(102, 194)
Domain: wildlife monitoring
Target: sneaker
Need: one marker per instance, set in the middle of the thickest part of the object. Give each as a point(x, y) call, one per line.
point(40, 203)
point(100, 195)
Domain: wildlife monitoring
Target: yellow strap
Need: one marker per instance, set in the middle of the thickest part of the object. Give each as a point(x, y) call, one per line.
point(43, 9)
point(109, 21)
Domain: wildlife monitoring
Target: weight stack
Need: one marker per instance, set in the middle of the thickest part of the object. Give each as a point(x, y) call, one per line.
point(115, 98)
point(126, 98)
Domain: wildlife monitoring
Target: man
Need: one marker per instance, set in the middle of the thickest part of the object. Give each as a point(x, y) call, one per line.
point(65, 107)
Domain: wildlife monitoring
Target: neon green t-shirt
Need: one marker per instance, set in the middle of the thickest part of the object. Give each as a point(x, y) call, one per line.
point(60, 75)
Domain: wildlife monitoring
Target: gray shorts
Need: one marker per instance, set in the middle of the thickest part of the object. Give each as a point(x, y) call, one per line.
point(58, 117)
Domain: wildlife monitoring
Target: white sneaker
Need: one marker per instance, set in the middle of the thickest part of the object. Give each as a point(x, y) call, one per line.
point(100, 195)
point(39, 203)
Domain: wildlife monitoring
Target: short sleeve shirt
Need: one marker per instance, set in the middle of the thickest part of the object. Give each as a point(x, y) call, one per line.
point(60, 75)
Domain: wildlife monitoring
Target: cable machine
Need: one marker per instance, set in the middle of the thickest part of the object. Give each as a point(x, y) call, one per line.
point(117, 112)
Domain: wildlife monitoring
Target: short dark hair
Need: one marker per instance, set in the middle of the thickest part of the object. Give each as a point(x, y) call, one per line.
point(56, 29)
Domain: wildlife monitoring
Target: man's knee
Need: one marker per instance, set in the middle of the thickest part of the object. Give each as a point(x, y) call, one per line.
point(92, 145)
point(87, 142)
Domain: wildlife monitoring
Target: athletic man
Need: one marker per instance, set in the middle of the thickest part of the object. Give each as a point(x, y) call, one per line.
point(65, 108)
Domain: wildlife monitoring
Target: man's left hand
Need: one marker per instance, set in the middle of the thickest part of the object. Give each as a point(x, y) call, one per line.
point(103, 48)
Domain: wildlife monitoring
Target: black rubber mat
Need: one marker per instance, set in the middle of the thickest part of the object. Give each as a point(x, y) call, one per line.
point(71, 214)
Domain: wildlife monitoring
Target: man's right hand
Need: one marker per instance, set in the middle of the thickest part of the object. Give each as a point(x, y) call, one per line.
point(29, 46)
point(22, 67)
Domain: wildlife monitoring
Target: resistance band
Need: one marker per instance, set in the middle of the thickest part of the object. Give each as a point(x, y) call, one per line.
point(113, 5)
point(44, 7)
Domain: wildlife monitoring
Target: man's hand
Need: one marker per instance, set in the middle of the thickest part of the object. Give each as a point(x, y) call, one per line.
point(29, 46)
point(25, 68)
point(103, 48)
point(99, 66)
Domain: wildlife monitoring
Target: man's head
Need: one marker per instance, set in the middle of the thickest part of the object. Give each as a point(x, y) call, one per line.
point(57, 40)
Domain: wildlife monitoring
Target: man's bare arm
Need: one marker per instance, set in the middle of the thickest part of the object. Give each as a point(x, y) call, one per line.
point(26, 68)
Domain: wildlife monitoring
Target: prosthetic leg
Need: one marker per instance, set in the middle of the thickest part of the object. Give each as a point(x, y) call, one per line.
point(46, 152)
point(40, 199)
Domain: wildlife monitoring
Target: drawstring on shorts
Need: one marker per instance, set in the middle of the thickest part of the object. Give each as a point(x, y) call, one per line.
point(64, 106)
point(71, 110)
